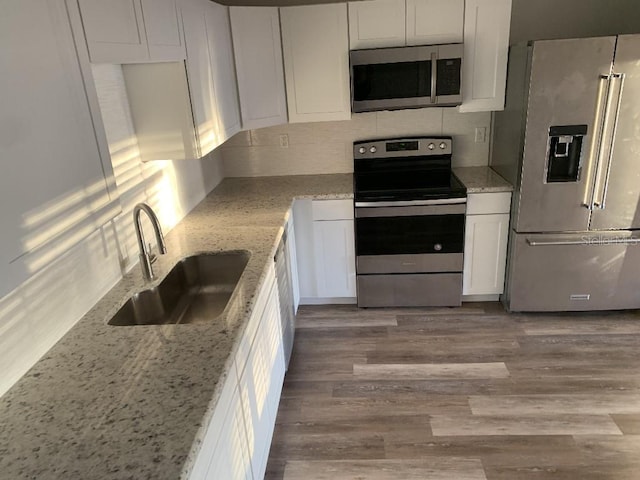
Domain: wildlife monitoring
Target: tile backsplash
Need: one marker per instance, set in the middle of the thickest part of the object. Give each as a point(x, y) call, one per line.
point(326, 147)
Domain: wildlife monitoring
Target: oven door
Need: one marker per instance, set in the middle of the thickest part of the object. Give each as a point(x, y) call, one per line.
point(410, 253)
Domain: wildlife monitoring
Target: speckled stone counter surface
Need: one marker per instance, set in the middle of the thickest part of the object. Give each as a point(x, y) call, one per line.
point(482, 180)
point(128, 402)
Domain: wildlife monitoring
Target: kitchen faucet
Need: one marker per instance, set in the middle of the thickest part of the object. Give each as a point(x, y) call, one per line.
point(146, 257)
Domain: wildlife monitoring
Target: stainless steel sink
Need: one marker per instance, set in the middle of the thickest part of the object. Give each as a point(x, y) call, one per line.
point(196, 290)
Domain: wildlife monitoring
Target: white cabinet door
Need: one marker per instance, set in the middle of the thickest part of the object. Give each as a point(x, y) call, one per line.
point(161, 111)
point(254, 392)
point(485, 254)
point(260, 383)
point(114, 30)
point(223, 70)
point(131, 31)
point(335, 258)
point(164, 30)
point(53, 184)
point(376, 24)
point(486, 47)
point(258, 55)
point(200, 74)
point(271, 339)
point(432, 22)
point(230, 460)
point(315, 43)
point(325, 250)
point(224, 450)
point(293, 261)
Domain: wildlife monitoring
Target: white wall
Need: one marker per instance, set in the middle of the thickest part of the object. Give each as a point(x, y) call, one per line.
point(549, 19)
point(39, 312)
point(326, 147)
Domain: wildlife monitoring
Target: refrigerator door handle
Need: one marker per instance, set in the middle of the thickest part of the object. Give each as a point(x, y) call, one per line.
point(586, 240)
point(596, 144)
point(601, 202)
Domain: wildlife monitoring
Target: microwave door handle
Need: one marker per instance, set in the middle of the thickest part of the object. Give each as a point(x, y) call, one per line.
point(593, 179)
point(434, 75)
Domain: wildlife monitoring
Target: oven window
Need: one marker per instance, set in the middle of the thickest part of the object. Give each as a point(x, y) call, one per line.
point(383, 81)
point(409, 235)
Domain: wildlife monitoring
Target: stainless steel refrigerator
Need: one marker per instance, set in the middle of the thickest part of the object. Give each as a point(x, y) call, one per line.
point(569, 141)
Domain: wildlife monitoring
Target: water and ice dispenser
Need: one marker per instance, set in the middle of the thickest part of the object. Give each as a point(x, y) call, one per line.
point(564, 153)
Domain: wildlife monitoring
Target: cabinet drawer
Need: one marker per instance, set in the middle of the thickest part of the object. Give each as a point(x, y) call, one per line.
point(487, 203)
point(332, 209)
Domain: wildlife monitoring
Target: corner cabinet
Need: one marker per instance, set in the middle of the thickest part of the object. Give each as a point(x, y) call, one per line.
point(183, 114)
point(315, 45)
point(238, 436)
point(486, 48)
point(132, 31)
point(485, 247)
point(397, 23)
point(258, 55)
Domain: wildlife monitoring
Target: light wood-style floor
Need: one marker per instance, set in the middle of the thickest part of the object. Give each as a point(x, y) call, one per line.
point(470, 393)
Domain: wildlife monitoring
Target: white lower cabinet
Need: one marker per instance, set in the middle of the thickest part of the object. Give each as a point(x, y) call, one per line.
point(261, 383)
point(325, 251)
point(231, 454)
point(293, 261)
point(224, 452)
point(236, 444)
point(485, 247)
point(335, 258)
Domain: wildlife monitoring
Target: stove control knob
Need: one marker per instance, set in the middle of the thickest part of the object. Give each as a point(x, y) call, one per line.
point(443, 146)
point(437, 247)
point(431, 146)
point(373, 149)
point(362, 150)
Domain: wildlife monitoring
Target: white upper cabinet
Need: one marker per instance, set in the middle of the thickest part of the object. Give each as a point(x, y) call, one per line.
point(258, 54)
point(56, 179)
point(396, 23)
point(431, 22)
point(131, 31)
point(164, 30)
point(200, 74)
point(486, 47)
point(210, 72)
point(315, 43)
point(178, 114)
point(161, 111)
point(223, 69)
point(376, 24)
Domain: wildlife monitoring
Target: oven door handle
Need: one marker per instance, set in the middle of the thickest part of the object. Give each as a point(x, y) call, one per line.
point(414, 203)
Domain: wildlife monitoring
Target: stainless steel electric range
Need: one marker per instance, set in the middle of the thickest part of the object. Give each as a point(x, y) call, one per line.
point(409, 223)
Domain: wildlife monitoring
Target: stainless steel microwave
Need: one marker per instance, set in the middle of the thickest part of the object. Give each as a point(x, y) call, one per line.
point(406, 77)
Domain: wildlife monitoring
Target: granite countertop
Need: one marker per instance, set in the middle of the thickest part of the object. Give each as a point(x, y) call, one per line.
point(482, 180)
point(130, 402)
